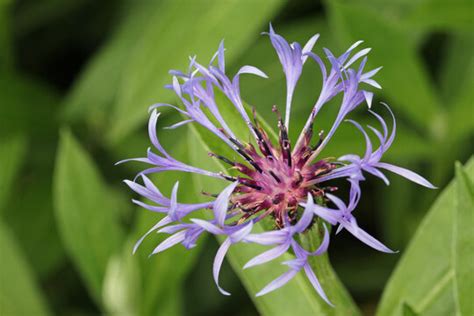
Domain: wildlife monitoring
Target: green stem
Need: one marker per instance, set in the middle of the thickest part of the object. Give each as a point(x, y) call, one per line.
point(336, 292)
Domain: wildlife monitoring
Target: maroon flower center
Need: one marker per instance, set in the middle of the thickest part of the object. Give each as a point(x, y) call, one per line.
point(276, 179)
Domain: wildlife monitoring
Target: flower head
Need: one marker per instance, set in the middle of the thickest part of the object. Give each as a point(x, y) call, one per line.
point(277, 181)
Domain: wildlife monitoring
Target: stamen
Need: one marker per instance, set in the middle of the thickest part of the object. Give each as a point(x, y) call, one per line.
point(274, 176)
point(214, 195)
point(321, 138)
point(251, 185)
point(224, 159)
point(284, 139)
point(241, 181)
point(262, 143)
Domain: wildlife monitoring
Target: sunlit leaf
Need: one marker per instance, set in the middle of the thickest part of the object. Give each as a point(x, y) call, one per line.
point(12, 154)
point(167, 41)
point(442, 15)
point(19, 293)
point(463, 235)
point(86, 215)
point(425, 274)
point(32, 199)
point(404, 79)
point(160, 275)
point(121, 289)
point(94, 92)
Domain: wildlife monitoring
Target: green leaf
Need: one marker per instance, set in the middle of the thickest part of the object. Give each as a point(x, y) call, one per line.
point(441, 15)
point(304, 299)
point(167, 41)
point(6, 54)
point(461, 123)
point(12, 154)
point(86, 214)
point(19, 293)
point(160, 277)
point(94, 92)
point(463, 239)
point(121, 290)
point(405, 80)
point(18, 114)
point(427, 287)
point(35, 204)
point(408, 311)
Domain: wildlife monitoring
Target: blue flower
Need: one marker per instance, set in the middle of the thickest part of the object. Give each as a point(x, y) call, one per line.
point(277, 179)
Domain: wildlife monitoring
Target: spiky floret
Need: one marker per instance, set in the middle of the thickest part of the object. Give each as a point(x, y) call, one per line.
point(275, 179)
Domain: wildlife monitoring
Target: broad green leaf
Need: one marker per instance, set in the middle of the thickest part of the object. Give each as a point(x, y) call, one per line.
point(94, 92)
point(417, 281)
point(12, 154)
point(463, 239)
point(121, 290)
point(32, 199)
point(6, 54)
point(404, 79)
point(456, 81)
point(27, 106)
point(304, 299)
point(461, 113)
point(453, 70)
point(28, 140)
point(160, 276)
point(86, 214)
point(176, 30)
point(19, 293)
point(441, 15)
point(408, 311)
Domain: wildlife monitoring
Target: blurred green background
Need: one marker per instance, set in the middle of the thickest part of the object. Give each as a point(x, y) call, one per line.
point(77, 77)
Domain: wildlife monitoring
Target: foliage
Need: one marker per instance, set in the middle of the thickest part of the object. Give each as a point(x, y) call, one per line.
point(76, 79)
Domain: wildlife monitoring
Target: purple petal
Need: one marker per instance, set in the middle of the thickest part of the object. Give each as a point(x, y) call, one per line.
point(317, 59)
point(357, 56)
point(143, 191)
point(329, 215)
point(370, 74)
point(309, 46)
point(368, 149)
point(363, 236)
point(324, 244)
point(373, 83)
point(337, 201)
point(241, 233)
point(307, 216)
point(377, 173)
point(159, 209)
point(251, 70)
point(179, 124)
point(278, 282)
point(317, 286)
point(267, 255)
point(408, 174)
point(213, 229)
point(218, 263)
point(268, 238)
point(170, 242)
point(222, 203)
point(152, 132)
point(368, 97)
point(165, 221)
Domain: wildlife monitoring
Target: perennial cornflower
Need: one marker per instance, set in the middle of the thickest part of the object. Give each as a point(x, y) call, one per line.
point(278, 181)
